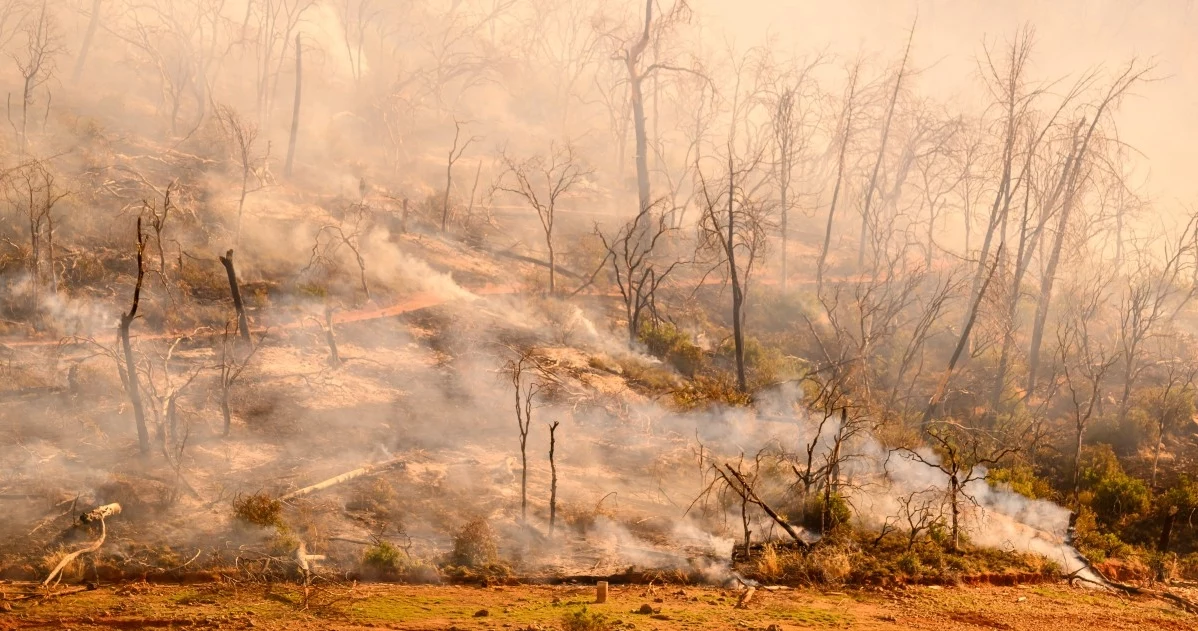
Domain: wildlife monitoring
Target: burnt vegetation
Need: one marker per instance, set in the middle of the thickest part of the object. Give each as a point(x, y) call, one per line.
point(798, 319)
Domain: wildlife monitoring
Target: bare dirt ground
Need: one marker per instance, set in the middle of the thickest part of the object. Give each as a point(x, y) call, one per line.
point(418, 608)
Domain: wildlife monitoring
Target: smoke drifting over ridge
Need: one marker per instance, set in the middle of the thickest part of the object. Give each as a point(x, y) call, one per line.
point(410, 254)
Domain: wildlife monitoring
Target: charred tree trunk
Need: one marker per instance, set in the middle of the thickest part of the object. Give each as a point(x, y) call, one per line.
point(132, 384)
point(738, 298)
point(85, 48)
point(873, 178)
point(844, 146)
point(552, 477)
point(243, 325)
point(295, 110)
point(334, 356)
point(225, 411)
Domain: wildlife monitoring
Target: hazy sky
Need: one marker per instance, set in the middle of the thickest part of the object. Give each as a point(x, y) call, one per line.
point(1072, 36)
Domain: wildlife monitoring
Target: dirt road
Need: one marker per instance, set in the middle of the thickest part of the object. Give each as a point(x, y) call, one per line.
point(419, 608)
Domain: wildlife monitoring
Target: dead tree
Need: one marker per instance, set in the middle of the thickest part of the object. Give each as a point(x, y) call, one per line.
point(93, 23)
point(962, 454)
point(243, 136)
point(36, 64)
point(295, 109)
point(962, 342)
point(330, 337)
point(873, 178)
point(632, 57)
point(638, 273)
point(1083, 380)
point(552, 476)
point(560, 172)
point(791, 102)
point(734, 226)
point(736, 480)
point(844, 135)
point(347, 232)
point(920, 517)
point(231, 368)
point(1071, 199)
point(525, 392)
point(132, 385)
point(455, 152)
point(32, 190)
point(243, 325)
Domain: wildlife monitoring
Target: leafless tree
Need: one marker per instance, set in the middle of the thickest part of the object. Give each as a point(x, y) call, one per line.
point(455, 152)
point(920, 513)
point(1087, 136)
point(634, 254)
point(843, 136)
point(129, 373)
point(347, 233)
point(252, 167)
point(791, 99)
point(33, 191)
point(633, 56)
point(888, 118)
point(962, 454)
point(36, 62)
point(231, 366)
point(1084, 361)
point(552, 476)
point(541, 182)
point(526, 389)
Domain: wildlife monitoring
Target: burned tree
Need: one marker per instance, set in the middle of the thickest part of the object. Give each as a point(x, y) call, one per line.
point(36, 63)
point(525, 391)
point(455, 152)
point(348, 233)
point(243, 326)
point(560, 172)
point(33, 191)
point(962, 454)
point(844, 135)
point(552, 476)
point(132, 385)
point(635, 265)
point(872, 185)
point(295, 110)
point(250, 166)
point(230, 368)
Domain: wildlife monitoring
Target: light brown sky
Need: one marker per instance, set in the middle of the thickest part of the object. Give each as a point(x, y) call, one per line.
point(1072, 36)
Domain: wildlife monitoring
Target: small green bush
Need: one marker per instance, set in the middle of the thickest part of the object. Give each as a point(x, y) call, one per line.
point(474, 546)
point(583, 620)
point(258, 509)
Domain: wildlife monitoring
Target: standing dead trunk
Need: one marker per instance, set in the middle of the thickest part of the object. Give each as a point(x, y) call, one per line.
point(295, 110)
point(738, 298)
point(552, 476)
point(962, 342)
point(334, 356)
point(955, 501)
point(846, 133)
point(132, 385)
point(873, 178)
point(92, 24)
point(243, 325)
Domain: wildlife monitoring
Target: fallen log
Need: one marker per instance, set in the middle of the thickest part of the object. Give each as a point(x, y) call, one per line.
point(745, 597)
point(56, 573)
point(344, 477)
point(99, 513)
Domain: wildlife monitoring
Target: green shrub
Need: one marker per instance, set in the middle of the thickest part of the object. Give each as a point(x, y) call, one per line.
point(1021, 479)
point(583, 620)
point(669, 343)
point(258, 509)
point(474, 545)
